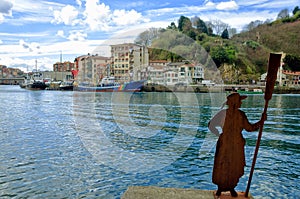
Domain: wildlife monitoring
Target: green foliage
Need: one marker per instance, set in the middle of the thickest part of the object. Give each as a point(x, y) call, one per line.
point(251, 44)
point(192, 34)
point(294, 18)
point(172, 26)
point(219, 55)
point(161, 54)
point(201, 26)
point(246, 52)
point(292, 62)
point(184, 24)
point(225, 34)
point(201, 37)
point(296, 9)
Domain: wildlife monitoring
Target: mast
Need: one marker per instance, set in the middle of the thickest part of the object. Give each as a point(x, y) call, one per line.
point(60, 56)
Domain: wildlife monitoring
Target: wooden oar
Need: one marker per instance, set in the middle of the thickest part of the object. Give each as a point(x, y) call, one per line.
point(274, 63)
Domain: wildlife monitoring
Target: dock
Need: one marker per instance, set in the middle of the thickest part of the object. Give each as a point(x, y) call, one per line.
point(152, 192)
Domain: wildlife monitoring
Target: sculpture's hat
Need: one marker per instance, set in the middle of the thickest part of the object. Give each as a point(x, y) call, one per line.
point(234, 98)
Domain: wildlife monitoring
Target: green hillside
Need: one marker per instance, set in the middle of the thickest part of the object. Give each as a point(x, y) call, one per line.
point(249, 51)
point(241, 58)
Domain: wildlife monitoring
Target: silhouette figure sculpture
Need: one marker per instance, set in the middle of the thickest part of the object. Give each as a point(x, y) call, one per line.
point(229, 156)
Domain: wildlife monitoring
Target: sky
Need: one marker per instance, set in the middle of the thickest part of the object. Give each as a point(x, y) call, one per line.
point(53, 30)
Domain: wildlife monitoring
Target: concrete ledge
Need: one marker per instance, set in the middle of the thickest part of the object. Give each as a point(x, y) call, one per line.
point(143, 192)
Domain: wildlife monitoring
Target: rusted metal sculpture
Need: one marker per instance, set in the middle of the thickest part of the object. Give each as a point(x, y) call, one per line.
point(229, 157)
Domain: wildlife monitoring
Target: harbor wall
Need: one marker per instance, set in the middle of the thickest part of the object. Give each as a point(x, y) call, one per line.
point(216, 88)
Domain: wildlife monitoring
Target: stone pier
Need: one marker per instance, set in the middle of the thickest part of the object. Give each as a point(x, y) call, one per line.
point(151, 192)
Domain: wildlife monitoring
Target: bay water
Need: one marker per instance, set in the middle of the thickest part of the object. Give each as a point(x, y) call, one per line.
point(65, 144)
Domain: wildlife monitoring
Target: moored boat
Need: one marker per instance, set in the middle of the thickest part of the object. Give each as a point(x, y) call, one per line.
point(66, 85)
point(108, 84)
point(36, 82)
point(253, 91)
point(36, 85)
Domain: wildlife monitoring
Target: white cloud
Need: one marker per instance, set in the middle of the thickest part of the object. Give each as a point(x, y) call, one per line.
point(79, 2)
point(234, 19)
point(6, 7)
point(208, 4)
point(97, 16)
point(19, 56)
point(66, 15)
point(1, 18)
point(77, 36)
point(1, 42)
point(60, 33)
point(32, 47)
point(229, 5)
point(123, 17)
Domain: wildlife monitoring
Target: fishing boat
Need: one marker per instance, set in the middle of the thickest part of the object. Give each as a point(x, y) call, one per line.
point(108, 84)
point(24, 83)
point(36, 82)
point(66, 85)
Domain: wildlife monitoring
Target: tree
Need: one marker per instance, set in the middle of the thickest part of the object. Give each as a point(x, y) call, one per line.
point(253, 24)
point(218, 26)
point(292, 62)
point(219, 55)
point(225, 34)
point(210, 31)
point(172, 26)
point(184, 24)
point(232, 31)
point(192, 34)
point(200, 25)
point(283, 14)
point(145, 38)
point(296, 9)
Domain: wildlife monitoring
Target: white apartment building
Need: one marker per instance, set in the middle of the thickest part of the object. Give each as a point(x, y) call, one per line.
point(92, 68)
point(173, 73)
point(128, 60)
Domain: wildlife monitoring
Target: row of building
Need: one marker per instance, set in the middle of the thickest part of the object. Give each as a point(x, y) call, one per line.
point(130, 62)
point(10, 75)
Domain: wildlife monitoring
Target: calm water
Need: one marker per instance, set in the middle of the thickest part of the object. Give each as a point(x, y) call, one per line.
point(84, 145)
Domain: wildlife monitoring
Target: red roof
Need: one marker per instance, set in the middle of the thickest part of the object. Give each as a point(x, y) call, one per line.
point(291, 72)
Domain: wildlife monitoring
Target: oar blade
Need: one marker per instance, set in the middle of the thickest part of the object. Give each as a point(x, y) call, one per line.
point(274, 64)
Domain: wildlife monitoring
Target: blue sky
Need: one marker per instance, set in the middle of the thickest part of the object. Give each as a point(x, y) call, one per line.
point(42, 29)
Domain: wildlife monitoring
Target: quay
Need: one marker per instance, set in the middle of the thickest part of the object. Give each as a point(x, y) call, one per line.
point(151, 192)
point(199, 88)
point(217, 88)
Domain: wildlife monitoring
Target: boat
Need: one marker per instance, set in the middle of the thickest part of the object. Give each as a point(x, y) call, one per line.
point(24, 83)
point(253, 91)
point(108, 84)
point(66, 85)
point(36, 81)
